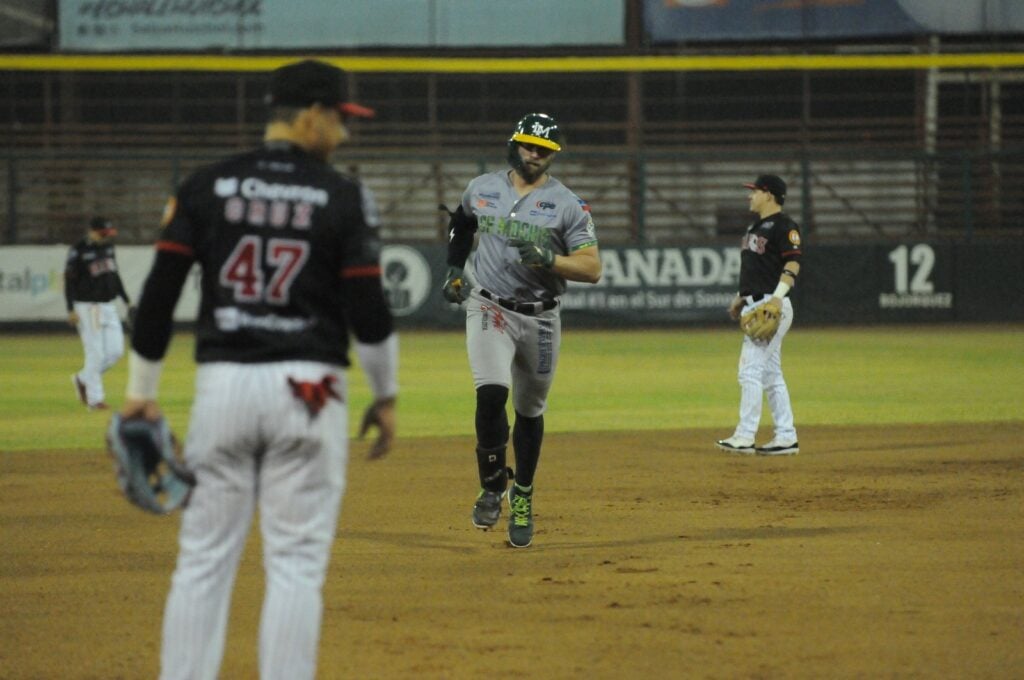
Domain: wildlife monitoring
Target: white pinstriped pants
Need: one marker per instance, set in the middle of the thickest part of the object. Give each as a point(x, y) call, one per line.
point(760, 375)
point(253, 445)
point(103, 343)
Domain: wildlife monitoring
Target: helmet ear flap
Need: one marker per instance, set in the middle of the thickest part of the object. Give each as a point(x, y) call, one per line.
point(513, 155)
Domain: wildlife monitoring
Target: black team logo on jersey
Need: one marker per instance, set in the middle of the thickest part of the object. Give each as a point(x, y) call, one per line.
point(754, 243)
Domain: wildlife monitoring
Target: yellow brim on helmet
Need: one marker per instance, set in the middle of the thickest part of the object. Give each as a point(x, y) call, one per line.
point(539, 141)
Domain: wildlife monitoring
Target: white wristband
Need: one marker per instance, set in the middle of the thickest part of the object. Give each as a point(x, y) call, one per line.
point(781, 290)
point(380, 364)
point(143, 377)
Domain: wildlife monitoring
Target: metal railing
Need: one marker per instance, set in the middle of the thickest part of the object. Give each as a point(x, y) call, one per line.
point(655, 197)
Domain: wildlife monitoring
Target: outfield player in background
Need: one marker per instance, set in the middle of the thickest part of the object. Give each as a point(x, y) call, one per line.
point(534, 234)
point(289, 253)
point(91, 286)
point(769, 265)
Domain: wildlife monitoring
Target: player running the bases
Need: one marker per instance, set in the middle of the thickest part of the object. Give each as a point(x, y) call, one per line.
point(534, 235)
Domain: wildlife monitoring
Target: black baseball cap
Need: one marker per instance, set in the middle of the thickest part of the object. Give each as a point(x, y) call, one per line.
point(308, 82)
point(773, 184)
point(102, 225)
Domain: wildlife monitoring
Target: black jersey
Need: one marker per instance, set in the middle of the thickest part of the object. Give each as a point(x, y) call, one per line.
point(769, 243)
point(90, 274)
point(289, 254)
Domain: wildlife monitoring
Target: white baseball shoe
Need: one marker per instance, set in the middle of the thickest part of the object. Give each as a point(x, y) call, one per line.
point(736, 444)
point(779, 448)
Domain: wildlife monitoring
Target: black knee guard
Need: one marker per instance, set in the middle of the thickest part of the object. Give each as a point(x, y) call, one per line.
point(527, 436)
point(491, 418)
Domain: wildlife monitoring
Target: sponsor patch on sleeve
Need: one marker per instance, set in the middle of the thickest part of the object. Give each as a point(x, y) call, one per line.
point(794, 237)
point(169, 210)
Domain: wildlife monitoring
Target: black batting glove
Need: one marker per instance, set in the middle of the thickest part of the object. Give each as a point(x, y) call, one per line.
point(533, 255)
point(456, 286)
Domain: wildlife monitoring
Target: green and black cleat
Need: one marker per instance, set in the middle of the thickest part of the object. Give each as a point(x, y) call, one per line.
point(520, 521)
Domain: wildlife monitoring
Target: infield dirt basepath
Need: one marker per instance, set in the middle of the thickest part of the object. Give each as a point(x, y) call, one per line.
point(875, 553)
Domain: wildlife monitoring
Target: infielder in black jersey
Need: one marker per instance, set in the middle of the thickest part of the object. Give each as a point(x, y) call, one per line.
point(769, 265)
point(289, 255)
point(91, 286)
point(533, 235)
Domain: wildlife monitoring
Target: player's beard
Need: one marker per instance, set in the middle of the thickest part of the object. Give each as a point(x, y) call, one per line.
point(532, 171)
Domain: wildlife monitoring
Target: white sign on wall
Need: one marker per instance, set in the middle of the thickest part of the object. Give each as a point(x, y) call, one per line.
point(184, 25)
point(32, 282)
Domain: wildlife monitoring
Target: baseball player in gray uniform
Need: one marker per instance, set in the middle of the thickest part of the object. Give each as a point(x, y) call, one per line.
point(533, 235)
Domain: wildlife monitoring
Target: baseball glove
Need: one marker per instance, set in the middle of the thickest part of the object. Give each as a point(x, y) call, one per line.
point(146, 461)
point(761, 322)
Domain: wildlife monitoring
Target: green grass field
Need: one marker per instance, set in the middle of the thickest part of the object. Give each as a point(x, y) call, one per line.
point(607, 380)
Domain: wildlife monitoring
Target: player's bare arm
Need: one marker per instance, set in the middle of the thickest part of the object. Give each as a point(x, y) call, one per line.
point(380, 414)
point(787, 279)
point(583, 265)
point(377, 347)
point(790, 272)
point(735, 307)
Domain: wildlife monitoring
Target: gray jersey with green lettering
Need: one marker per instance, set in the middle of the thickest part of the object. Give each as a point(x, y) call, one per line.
point(550, 215)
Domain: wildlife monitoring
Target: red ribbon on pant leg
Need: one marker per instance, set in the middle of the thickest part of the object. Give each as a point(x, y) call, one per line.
point(314, 394)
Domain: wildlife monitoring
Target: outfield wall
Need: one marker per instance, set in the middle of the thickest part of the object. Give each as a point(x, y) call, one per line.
point(912, 281)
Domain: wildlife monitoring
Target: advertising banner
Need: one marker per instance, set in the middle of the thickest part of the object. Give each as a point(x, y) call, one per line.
point(912, 282)
point(32, 282)
point(670, 21)
point(907, 282)
point(201, 25)
point(891, 283)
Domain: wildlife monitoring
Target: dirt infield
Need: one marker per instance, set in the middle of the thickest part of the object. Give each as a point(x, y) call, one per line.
point(877, 552)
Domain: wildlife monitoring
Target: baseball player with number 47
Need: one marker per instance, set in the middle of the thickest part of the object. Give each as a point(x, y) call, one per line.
point(769, 265)
point(289, 254)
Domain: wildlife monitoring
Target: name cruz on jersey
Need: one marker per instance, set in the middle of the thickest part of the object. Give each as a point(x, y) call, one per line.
point(260, 203)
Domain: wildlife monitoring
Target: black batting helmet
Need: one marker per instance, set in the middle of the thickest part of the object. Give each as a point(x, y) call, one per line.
point(534, 128)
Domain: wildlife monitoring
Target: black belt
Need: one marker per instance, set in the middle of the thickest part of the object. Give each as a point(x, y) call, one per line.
point(528, 308)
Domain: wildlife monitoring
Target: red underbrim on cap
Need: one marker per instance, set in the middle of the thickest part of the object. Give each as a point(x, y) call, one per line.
point(356, 110)
point(105, 233)
point(751, 186)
